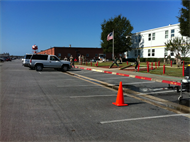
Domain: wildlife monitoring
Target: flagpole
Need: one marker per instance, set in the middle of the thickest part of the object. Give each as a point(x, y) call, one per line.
point(113, 46)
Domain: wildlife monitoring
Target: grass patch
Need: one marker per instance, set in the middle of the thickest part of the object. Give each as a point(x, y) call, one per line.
point(169, 71)
point(177, 72)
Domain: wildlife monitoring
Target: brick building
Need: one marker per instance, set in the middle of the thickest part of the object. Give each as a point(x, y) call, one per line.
point(89, 53)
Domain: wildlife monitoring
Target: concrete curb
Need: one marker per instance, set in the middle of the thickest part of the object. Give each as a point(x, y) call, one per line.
point(132, 76)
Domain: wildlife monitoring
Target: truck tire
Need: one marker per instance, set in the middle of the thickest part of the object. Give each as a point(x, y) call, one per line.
point(64, 68)
point(39, 67)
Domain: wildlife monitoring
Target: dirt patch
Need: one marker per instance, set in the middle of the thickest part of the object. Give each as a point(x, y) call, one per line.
point(112, 67)
point(132, 68)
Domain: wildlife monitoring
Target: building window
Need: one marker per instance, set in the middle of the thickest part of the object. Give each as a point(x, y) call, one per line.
point(136, 39)
point(188, 39)
point(96, 55)
point(166, 34)
point(149, 37)
point(172, 53)
point(172, 33)
point(148, 52)
point(131, 39)
point(139, 52)
point(139, 38)
point(68, 55)
point(153, 36)
point(87, 55)
point(153, 52)
point(59, 54)
point(165, 52)
point(135, 53)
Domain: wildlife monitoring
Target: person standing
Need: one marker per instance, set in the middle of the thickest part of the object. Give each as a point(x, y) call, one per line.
point(168, 59)
point(65, 59)
point(71, 60)
point(79, 59)
point(83, 59)
point(138, 59)
point(120, 60)
point(164, 59)
point(179, 60)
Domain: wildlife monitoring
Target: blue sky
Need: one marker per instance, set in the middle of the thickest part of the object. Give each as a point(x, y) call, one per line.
point(64, 22)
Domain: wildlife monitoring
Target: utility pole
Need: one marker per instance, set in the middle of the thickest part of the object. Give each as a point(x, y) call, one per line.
point(113, 46)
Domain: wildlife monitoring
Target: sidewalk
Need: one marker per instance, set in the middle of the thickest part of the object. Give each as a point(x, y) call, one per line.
point(145, 76)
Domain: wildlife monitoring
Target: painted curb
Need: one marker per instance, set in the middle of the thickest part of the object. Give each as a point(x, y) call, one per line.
point(133, 76)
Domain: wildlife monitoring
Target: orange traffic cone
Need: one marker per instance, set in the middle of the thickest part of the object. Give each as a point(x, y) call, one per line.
point(120, 98)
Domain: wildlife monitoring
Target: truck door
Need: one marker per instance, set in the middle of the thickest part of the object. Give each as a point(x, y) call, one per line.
point(55, 62)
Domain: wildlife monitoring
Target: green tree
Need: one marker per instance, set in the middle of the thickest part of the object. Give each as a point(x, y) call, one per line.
point(184, 18)
point(178, 45)
point(122, 28)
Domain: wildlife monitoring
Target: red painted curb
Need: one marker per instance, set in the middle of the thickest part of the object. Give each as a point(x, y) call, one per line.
point(171, 82)
point(89, 69)
point(122, 74)
point(108, 72)
point(144, 78)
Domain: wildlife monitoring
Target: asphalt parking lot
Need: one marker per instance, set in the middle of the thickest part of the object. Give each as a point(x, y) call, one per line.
point(56, 106)
point(153, 88)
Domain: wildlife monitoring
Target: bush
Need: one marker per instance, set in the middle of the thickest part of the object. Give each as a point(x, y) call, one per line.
point(185, 59)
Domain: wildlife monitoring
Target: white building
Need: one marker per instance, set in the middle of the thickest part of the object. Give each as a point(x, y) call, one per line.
point(150, 43)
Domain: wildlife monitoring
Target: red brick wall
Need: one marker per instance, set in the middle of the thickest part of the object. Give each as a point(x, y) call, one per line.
point(48, 51)
point(66, 51)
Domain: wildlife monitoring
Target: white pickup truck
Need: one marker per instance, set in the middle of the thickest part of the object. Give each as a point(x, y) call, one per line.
point(40, 61)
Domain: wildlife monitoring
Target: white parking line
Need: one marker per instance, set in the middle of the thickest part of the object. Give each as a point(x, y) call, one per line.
point(139, 82)
point(91, 96)
point(87, 72)
point(159, 92)
point(77, 85)
point(143, 118)
point(112, 78)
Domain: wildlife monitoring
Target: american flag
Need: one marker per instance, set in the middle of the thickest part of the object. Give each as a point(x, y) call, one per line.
point(110, 36)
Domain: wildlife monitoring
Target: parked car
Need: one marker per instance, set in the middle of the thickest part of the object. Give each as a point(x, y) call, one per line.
point(40, 61)
point(93, 60)
point(102, 59)
point(185, 83)
point(8, 59)
point(2, 59)
point(186, 80)
point(26, 60)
